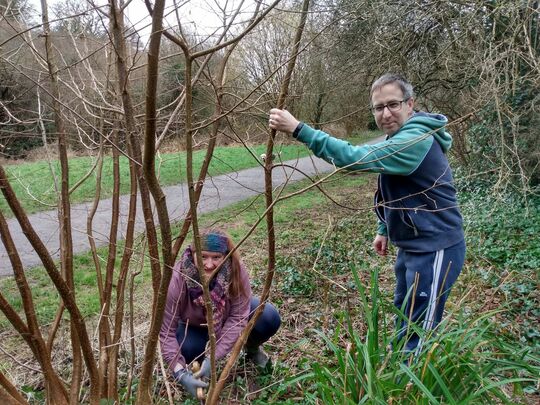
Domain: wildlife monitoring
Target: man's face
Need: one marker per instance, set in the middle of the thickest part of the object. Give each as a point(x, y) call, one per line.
point(392, 117)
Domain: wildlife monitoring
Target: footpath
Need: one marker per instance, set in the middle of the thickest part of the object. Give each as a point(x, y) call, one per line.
point(218, 192)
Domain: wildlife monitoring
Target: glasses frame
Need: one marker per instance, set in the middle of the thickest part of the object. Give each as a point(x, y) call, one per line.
point(382, 107)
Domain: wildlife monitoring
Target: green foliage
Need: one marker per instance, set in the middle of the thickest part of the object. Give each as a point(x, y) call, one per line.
point(465, 362)
point(46, 298)
point(294, 281)
point(16, 138)
point(173, 79)
point(468, 361)
point(19, 146)
point(331, 256)
point(503, 239)
point(273, 393)
point(361, 137)
point(339, 250)
point(33, 395)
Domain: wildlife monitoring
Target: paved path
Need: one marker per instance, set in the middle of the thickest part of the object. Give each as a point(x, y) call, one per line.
point(218, 192)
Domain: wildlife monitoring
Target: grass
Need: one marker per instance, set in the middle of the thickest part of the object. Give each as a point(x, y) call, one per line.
point(343, 353)
point(46, 298)
point(465, 362)
point(334, 295)
point(34, 184)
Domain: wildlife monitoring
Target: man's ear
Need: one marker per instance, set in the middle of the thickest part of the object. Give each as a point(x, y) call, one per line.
point(410, 105)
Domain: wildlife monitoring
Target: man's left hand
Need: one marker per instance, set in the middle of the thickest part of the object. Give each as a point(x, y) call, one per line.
point(380, 244)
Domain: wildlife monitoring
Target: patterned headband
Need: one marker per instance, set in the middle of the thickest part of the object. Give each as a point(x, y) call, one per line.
point(214, 242)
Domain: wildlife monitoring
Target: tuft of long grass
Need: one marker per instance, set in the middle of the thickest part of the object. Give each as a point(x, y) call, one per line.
point(463, 362)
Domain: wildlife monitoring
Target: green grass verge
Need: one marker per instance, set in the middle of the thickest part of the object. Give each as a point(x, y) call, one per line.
point(237, 219)
point(34, 185)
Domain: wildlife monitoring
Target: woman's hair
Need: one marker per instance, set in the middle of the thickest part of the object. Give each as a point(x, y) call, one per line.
point(213, 236)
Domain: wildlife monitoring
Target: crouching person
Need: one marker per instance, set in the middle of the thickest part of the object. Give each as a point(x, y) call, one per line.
point(184, 332)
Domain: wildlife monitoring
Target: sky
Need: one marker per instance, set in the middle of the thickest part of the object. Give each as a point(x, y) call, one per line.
point(196, 15)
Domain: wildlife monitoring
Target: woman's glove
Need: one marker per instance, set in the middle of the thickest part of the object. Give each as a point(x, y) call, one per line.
point(188, 381)
point(204, 371)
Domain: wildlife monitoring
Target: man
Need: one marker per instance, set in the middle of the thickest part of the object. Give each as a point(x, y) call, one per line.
point(415, 201)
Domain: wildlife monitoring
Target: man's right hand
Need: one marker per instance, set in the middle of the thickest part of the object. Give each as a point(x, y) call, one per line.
point(380, 244)
point(189, 382)
point(282, 120)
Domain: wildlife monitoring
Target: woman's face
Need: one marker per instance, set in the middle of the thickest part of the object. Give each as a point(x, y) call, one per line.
point(211, 260)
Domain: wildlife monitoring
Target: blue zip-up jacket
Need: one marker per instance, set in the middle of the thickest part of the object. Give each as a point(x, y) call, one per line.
point(416, 199)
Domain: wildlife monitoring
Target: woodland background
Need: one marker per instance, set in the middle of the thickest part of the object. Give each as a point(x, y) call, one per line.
point(79, 80)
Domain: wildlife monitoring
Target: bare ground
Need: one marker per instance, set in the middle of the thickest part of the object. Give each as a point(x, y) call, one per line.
point(295, 343)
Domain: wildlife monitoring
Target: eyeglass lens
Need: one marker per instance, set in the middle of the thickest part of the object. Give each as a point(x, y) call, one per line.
point(392, 106)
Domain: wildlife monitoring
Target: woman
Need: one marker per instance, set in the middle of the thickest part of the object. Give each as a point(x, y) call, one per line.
point(184, 333)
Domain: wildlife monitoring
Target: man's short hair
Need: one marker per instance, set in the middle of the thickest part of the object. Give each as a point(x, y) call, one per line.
point(390, 78)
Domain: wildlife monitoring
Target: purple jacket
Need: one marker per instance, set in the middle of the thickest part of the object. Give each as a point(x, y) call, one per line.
point(180, 308)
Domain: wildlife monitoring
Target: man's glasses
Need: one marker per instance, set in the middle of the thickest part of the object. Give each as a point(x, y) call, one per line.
point(393, 106)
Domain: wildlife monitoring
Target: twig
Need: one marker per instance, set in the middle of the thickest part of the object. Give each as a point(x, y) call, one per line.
point(15, 360)
point(164, 375)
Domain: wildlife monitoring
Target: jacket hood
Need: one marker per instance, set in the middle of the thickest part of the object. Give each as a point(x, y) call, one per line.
point(435, 123)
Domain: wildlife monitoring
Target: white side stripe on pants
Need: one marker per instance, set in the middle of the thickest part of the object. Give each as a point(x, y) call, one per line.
point(433, 298)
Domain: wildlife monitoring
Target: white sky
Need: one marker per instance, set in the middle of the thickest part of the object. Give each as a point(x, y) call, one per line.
point(196, 15)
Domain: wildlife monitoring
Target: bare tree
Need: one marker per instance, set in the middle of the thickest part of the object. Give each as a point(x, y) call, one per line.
point(88, 83)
